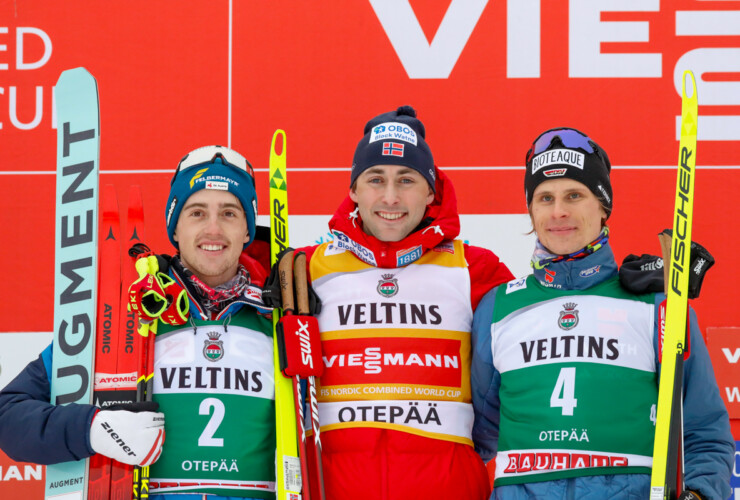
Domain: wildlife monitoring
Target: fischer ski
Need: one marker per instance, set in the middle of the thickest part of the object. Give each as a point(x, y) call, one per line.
point(666, 481)
point(75, 261)
point(288, 467)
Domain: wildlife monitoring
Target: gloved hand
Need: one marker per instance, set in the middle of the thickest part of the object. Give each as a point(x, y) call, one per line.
point(689, 495)
point(146, 295)
point(155, 295)
point(131, 433)
point(272, 296)
point(644, 274)
point(299, 346)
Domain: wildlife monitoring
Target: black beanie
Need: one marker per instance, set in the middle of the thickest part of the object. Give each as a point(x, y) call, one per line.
point(568, 153)
point(394, 138)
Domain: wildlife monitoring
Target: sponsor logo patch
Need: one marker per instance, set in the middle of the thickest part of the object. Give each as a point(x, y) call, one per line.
point(197, 175)
point(393, 130)
point(115, 380)
point(344, 242)
point(213, 350)
point(446, 246)
point(513, 286)
point(568, 318)
point(407, 256)
point(566, 157)
point(387, 285)
point(589, 272)
point(549, 275)
point(393, 360)
point(392, 149)
point(221, 186)
point(171, 209)
point(555, 172)
point(526, 462)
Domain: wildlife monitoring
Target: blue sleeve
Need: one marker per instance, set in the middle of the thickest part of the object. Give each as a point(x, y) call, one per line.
point(709, 447)
point(484, 381)
point(34, 430)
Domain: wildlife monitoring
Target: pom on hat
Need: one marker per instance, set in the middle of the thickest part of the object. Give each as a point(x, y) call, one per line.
point(395, 138)
point(568, 153)
point(212, 167)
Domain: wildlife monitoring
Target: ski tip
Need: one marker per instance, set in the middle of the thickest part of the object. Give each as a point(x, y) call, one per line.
point(75, 74)
point(277, 149)
point(688, 88)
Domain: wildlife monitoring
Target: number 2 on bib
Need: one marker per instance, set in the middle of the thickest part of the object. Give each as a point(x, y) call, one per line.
point(206, 437)
point(564, 394)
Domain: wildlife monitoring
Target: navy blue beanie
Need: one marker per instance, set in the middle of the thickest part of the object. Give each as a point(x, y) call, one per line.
point(395, 138)
point(212, 167)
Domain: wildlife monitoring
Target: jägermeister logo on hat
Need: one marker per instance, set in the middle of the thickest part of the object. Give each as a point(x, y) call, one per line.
point(387, 285)
point(214, 348)
point(568, 316)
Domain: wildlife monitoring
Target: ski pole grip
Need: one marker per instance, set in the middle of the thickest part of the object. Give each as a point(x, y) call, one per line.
point(301, 283)
point(285, 269)
point(665, 247)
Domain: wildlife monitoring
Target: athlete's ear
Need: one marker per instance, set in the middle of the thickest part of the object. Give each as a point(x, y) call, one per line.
point(174, 236)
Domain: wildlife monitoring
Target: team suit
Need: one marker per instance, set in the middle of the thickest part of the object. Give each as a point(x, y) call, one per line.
point(564, 381)
point(214, 382)
point(394, 400)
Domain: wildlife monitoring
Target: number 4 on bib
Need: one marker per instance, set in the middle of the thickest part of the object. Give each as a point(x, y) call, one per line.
point(564, 394)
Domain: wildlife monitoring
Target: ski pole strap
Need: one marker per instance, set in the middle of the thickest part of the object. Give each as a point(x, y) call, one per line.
point(299, 342)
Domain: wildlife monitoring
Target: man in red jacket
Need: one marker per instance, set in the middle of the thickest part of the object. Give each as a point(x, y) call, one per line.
point(398, 293)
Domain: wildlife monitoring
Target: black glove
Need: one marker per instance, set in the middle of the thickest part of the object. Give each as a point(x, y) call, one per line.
point(271, 294)
point(690, 495)
point(644, 274)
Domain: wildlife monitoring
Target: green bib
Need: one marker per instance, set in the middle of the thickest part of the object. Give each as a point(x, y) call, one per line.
point(215, 386)
point(578, 382)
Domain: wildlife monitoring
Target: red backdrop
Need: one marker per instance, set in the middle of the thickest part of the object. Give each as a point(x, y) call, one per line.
point(485, 77)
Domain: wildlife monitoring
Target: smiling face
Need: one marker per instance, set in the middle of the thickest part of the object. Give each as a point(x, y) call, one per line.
point(392, 200)
point(211, 232)
point(566, 215)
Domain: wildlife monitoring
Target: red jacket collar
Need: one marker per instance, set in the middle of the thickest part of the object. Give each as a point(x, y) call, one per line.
point(444, 224)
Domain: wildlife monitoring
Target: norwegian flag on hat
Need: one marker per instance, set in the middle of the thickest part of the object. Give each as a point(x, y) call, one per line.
point(392, 149)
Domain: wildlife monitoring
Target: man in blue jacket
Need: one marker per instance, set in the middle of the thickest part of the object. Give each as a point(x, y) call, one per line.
point(213, 371)
point(565, 363)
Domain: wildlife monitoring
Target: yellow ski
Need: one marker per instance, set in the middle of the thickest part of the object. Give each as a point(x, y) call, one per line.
point(669, 423)
point(288, 474)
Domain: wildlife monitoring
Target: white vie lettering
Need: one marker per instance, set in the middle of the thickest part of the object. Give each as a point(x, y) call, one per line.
point(420, 58)
point(731, 357)
point(733, 394)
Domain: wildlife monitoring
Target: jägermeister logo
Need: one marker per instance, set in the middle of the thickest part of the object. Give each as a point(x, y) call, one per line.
point(387, 286)
point(213, 350)
point(568, 316)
